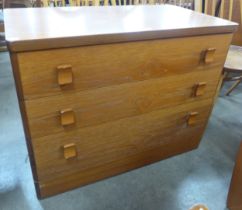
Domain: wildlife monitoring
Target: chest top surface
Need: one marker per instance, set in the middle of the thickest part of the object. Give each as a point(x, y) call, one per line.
point(45, 28)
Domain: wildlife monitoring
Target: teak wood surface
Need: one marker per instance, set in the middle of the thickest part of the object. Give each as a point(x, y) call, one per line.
point(114, 64)
point(129, 99)
point(101, 148)
point(113, 103)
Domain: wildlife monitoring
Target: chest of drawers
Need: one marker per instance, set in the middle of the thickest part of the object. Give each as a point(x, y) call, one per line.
point(104, 90)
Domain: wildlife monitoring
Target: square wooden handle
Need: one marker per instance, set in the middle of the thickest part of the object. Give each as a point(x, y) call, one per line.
point(70, 151)
point(209, 55)
point(200, 89)
point(192, 118)
point(67, 117)
point(64, 75)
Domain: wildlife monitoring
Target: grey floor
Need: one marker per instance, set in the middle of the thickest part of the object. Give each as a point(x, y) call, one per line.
point(200, 176)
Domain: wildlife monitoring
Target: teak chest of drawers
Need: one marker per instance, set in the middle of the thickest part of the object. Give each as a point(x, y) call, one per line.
point(103, 90)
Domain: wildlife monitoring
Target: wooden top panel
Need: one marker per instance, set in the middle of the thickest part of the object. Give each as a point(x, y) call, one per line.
point(45, 28)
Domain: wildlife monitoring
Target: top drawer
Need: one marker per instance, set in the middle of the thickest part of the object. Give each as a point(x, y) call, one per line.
point(53, 72)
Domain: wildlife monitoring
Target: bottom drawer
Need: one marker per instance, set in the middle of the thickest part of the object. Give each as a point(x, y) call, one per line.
point(71, 159)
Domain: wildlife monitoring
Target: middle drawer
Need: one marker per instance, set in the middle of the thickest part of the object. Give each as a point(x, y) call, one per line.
point(66, 112)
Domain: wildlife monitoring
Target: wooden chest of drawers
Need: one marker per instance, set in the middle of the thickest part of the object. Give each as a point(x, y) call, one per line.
point(100, 96)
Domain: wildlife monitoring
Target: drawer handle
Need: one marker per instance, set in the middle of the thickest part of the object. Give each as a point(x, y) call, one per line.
point(192, 118)
point(209, 55)
point(70, 151)
point(200, 89)
point(64, 75)
point(67, 117)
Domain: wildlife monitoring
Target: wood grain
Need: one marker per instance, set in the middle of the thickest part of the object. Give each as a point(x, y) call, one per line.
point(184, 141)
point(115, 102)
point(128, 103)
point(237, 17)
point(99, 145)
point(70, 27)
point(19, 91)
point(105, 65)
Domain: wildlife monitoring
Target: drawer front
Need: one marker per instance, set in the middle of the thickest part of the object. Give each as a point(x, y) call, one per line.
point(65, 113)
point(89, 154)
point(53, 72)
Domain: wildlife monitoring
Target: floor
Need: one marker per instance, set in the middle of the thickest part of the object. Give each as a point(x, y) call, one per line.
point(200, 176)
